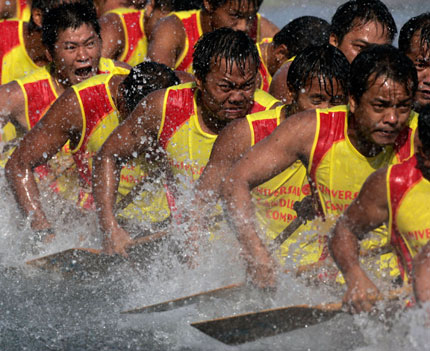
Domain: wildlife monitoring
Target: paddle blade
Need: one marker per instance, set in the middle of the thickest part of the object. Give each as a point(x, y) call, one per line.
point(252, 326)
point(188, 300)
point(73, 260)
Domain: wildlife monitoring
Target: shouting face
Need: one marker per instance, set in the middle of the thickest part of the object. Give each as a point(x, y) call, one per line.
point(77, 54)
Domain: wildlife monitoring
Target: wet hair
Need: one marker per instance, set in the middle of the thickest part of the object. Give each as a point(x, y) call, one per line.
point(218, 3)
point(360, 12)
point(145, 78)
point(301, 33)
point(43, 5)
point(424, 127)
point(421, 22)
point(68, 15)
point(326, 62)
point(186, 5)
point(381, 61)
point(236, 47)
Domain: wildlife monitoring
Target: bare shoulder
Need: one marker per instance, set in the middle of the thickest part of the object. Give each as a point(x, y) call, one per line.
point(268, 29)
point(234, 139)
point(122, 65)
point(163, 46)
point(113, 36)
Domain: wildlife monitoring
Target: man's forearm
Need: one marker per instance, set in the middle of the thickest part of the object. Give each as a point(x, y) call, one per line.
point(26, 192)
point(105, 185)
point(344, 247)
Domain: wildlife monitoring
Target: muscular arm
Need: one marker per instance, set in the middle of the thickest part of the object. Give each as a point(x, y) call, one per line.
point(12, 105)
point(421, 279)
point(291, 141)
point(367, 212)
point(168, 41)
point(113, 36)
point(136, 135)
point(61, 122)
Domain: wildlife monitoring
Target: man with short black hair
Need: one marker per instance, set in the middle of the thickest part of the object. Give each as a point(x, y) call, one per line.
point(340, 147)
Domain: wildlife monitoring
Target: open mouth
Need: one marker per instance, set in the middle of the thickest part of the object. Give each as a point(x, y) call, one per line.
point(84, 72)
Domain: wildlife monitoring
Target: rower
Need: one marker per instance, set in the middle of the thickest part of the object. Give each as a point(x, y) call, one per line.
point(357, 24)
point(397, 196)
point(85, 114)
point(318, 78)
point(176, 128)
point(339, 146)
point(176, 51)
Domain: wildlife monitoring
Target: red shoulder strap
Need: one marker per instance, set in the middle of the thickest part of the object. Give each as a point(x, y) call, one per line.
point(179, 108)
point(402, 177)
point(132, 21)
point(39, 98)
point(332, 129)
point(10, 39)
point(263, 127)
point(192, 33)
point(96, 105)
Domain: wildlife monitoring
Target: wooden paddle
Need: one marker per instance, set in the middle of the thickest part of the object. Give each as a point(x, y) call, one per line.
point(91, 260)
point(251, 326)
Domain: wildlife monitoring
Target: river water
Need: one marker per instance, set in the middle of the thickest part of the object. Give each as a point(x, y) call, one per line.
point(51, 311)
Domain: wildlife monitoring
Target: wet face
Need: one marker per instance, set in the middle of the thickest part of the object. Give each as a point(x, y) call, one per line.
point(227, 93)
point(234, 15)
point(382, 111)
point(318, 93)
point(360, 37)
point(77, 54)
point(421, 59)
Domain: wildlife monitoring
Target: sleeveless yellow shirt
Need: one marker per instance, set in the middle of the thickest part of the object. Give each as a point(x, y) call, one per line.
point(100, 118)
point(136, 42)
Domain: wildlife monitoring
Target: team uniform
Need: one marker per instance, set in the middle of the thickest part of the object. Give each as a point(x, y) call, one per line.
point(193, 31)
point(338, 171)
point(188, 147)
point(136, 42)
point(266, 77)
point(23, 10)
point(14, 60)
point(274, 199)
point(409, 212)
point(100, 118)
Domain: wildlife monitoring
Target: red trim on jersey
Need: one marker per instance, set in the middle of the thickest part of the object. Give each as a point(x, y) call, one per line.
point(135, 33)
point(9, 40)
point(402, 178)
point(403, 144)
point(263, 128)
point(39, 98)
point(179, 108)
point(332, 129)
point(96, 105)
point(264, 74)
point(193, 35)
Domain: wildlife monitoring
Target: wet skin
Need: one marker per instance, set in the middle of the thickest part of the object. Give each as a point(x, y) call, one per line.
point(421, 59)
point(226, 94)
point(360, 37)
point(231, 14)
point(77, 54)
point(379, 117)
point(319, 94)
